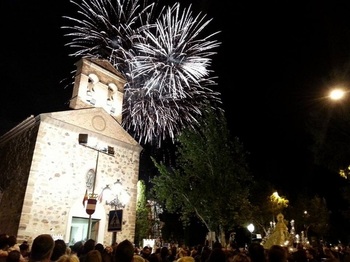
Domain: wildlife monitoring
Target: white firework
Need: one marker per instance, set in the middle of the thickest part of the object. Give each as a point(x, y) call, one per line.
point(163, 58)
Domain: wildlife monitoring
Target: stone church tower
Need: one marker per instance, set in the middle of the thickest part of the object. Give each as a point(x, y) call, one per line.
point(50, 163)
point(98, 84)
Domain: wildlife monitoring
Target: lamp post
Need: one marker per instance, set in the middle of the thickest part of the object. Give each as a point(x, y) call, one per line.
point(306, 216)
point(117, 198)
point(92, 197)
point(251, 228)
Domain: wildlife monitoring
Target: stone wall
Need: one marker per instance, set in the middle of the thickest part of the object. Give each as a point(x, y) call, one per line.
point(15, 162)
point(57, 182)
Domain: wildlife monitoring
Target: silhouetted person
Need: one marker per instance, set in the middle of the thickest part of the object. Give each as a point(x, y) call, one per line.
point(256, 252)
point(68, 258)
point(14, 256)
point(42, 248)
point(277, 253)
point(124, 252)
point(241, 257)
point(99, 247)
point(145, 252)
point(311, 255)
point(59, 249)
point(138, 258)
point(24, 249)
point(164, 254)
point(205, 253)
point(299, 255)
point(217, 255)
point(93, 256)
point(87, 247)
point(3, 247)
point(77, 248)
point(186, 259)
point(12, 243)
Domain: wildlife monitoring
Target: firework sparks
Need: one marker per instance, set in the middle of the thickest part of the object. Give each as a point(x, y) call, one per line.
point(163, 59)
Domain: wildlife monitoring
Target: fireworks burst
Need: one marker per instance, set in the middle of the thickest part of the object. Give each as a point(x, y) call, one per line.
point(163, 59)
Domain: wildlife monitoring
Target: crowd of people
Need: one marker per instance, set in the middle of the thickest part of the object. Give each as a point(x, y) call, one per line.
point(45, 249)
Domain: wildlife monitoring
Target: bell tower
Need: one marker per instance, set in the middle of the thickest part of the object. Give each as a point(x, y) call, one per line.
point(98, 84)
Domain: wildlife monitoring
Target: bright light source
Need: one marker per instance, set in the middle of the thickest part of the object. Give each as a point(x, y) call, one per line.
point(115, 195)
point(251, 228)
point(336, 94)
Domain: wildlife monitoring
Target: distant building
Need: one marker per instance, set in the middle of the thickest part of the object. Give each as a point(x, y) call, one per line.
point(47, 164)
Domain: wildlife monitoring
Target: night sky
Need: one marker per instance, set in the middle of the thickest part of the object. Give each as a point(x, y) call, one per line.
point(273, 66)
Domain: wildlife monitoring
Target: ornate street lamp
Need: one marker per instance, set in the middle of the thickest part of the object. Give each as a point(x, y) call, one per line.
point(117, 198)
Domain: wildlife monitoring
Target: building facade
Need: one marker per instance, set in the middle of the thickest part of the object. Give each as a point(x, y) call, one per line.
point(47, 171)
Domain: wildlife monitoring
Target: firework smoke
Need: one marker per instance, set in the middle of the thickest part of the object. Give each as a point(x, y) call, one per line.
point(163, 59)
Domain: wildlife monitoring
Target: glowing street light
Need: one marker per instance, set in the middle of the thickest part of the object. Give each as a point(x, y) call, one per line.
point(336, 94)
point(116, 197)
point(251, 229)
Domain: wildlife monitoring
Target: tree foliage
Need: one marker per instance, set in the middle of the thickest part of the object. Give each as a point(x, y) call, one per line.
point(267, 204)
point(311, 215)
point(211, 179)
point(328, 127)
point(142, 223)
point(260, 199)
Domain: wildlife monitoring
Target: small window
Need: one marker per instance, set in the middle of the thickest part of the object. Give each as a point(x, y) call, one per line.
point(79, 229)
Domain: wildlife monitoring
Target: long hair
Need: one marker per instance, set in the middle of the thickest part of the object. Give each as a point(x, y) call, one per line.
point(124, 251)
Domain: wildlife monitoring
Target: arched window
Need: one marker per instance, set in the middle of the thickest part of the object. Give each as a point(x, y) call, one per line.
point(111, 89)
point(92, 81)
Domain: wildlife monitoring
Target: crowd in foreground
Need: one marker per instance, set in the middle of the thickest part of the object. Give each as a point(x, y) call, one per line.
point(45, 249)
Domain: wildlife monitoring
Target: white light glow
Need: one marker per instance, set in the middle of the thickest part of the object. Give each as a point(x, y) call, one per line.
point(337, 94)
point(251, 228)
